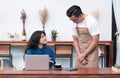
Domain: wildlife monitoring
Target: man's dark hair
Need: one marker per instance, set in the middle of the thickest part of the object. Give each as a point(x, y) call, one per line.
point(74, 11)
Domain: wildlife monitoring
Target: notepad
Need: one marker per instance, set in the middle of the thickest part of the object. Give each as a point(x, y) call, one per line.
point(70, 69)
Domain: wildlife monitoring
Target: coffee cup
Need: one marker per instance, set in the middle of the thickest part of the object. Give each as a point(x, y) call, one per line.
point(58, 66)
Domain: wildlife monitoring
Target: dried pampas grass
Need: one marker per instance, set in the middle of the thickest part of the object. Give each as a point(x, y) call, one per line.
point(96, 14)
point(43, 16)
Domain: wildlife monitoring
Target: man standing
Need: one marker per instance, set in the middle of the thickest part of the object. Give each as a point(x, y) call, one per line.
point(85, 37)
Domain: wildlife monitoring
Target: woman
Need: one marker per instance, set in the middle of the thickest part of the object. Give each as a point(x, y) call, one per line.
point(37, 45)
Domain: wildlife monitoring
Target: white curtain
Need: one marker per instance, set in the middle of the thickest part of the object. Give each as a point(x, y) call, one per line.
point(117, 18)
point(117, 13)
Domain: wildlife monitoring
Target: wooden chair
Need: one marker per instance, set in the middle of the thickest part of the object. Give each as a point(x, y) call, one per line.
point(5, 53)
point(64, 51)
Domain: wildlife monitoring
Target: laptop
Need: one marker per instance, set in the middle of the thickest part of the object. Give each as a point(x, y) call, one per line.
point(36, 62)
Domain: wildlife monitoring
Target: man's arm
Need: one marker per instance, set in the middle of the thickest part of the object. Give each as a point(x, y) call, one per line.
point(76, 44)
point(77, 48)
point(92, 45)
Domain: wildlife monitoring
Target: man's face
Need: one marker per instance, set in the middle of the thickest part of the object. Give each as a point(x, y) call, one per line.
point(76, 19)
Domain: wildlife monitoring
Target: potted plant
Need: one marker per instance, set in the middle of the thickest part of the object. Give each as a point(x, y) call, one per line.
point(116, 68)
point(54, 34)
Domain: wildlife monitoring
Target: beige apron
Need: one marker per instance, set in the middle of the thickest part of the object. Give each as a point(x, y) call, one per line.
point(85, 39)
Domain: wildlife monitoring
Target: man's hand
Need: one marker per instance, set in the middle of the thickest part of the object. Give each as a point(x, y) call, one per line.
point(84, 62)
point(81, 57)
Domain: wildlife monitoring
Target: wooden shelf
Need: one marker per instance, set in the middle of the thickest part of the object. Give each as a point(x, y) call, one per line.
point(23, 43)
point(109, 44)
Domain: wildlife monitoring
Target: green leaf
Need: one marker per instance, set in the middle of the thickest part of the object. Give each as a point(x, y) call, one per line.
point(54, 32)
point(117, 66)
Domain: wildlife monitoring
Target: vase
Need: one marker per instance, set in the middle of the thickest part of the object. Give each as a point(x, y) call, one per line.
point(23, 33)
point(54, 38)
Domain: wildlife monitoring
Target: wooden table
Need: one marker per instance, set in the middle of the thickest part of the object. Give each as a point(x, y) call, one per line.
point(109, 44)
point(81, 73)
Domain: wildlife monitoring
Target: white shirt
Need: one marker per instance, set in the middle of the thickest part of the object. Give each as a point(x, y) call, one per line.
point(91, 24)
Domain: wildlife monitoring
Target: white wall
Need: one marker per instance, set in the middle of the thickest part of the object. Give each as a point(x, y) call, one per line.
point(10, 16)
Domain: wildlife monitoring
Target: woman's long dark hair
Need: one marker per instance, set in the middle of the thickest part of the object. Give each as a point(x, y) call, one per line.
point(34, 40)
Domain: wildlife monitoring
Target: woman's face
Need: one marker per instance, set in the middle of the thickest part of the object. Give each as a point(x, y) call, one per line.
point(43, 39)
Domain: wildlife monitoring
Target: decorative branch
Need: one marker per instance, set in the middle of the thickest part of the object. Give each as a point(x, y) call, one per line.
point(43, 16)
point(96, 14)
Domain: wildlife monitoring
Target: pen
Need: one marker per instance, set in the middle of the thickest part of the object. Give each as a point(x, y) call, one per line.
point(51, 61)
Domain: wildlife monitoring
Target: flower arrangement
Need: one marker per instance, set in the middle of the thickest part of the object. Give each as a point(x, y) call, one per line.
point(43, 17)
point(23, 16)
point(116, 68)
point(96, 14)
point(13, 36)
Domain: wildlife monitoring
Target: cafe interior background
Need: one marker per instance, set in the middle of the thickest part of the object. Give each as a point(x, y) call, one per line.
point(11, 23)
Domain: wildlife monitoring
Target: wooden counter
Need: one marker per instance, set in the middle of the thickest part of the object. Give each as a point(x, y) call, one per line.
point(108, 44)
point(23, 43)
point(81, 73)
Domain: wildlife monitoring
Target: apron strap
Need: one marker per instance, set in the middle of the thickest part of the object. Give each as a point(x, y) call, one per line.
point(85, 27)
point(77, 29)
